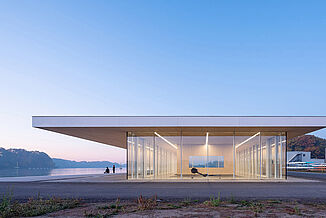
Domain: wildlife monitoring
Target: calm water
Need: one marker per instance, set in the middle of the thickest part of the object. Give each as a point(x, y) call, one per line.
point(55, 172)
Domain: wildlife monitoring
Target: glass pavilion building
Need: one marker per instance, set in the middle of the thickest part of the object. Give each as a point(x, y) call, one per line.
point(190, 147)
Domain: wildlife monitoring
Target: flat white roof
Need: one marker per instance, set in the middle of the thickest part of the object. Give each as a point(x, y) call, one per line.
point(179, 121)
point(112, 130)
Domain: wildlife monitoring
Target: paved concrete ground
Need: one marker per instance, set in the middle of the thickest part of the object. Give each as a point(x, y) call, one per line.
point(67, 178)
point(308, 175)
point(121, 178)
point(92, 191)
point(99, 187)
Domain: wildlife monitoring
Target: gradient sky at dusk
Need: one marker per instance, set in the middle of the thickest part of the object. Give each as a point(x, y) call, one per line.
point(155, 58)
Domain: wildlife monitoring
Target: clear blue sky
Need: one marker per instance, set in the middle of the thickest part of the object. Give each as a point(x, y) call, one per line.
point(155, 58)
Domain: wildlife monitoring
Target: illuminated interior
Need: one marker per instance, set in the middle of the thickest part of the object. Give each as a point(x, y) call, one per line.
point(215, 155)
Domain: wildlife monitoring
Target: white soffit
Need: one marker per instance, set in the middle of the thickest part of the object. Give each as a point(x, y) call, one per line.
point(111, 130)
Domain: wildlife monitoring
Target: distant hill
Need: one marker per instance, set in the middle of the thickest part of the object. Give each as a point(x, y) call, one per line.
point(61, 163)
point(11, 158)
point(310, 143)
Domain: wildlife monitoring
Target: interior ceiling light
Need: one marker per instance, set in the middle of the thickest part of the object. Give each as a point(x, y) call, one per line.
point(164, 139)
point(206, 140)
point(247, 139)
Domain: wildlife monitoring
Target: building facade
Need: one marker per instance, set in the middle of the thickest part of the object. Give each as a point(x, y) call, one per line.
point(188, 147)
point(229, 155)
point(302, 156)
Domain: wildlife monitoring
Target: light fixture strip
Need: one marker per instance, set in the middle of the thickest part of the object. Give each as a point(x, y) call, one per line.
point(207, 153)
point(164, 139)
point(247, 140)
point(206, 139)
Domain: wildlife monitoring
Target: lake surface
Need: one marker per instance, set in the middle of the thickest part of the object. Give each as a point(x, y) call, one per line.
point(55, 172)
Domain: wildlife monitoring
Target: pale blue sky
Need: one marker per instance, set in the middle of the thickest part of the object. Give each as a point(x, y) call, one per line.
point(155, 58)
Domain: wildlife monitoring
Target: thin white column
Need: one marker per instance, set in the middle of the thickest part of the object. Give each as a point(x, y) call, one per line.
point(167, 162)
point(132, 157)
point(136, 153)
point(238, 163)
point(248, 161)
point(143, 156)
point(276, 164)
point(281, 152)
point(154, 159)
point(260, 154)
point(253, 160)
point(206, 153)
point(257, 159)
point(243, 163)
point(181, 144)
point(233, 157)
point(268, 159)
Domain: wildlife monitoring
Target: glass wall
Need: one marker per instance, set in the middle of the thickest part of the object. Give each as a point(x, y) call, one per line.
point(260, 155)
point(220, 155)
point(206, 155)
point(247, 155)
point(153, 155)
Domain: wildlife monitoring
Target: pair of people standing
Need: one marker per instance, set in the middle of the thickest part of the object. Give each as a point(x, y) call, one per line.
point(107, 170)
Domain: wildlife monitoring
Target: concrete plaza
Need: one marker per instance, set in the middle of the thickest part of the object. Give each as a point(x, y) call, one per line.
point(99, 187)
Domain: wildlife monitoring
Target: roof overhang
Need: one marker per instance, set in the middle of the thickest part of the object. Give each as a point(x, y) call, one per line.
point(111, 130)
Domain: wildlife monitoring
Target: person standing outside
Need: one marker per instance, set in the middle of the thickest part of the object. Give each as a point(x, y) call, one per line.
point(113, 168)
